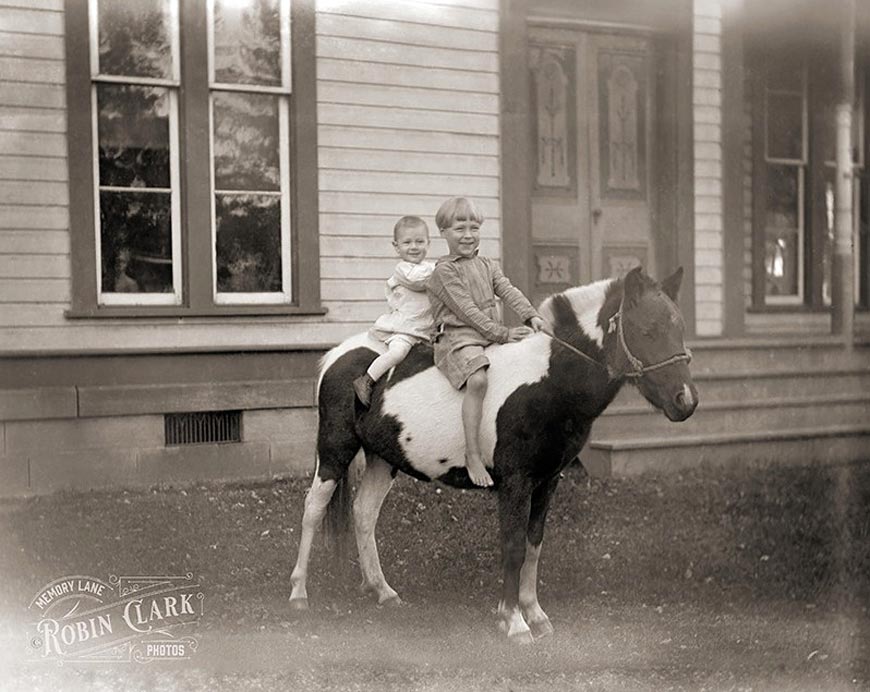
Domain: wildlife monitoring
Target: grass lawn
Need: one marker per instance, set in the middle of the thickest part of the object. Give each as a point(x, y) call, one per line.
point(717, 579)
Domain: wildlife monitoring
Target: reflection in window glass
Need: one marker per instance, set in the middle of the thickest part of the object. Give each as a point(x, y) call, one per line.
point(247, 42)
point(135, 38)
point(133, 133)
point(828, 248)
point(785, 132)
point(248, 243)
point(246, 136)
point(136, 242)
point(781, 263)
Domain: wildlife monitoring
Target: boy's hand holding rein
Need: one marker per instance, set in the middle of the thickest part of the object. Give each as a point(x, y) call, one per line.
point(538, 324)
point(519, 333)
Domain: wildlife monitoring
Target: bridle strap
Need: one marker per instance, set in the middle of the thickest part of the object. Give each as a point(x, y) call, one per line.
point(638, 368)
point(580, 353)
point(637, 365)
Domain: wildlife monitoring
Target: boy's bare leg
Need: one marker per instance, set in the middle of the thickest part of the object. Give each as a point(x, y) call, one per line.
point(472, 411)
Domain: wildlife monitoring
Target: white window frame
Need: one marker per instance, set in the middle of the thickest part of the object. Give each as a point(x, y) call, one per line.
point(283, 93)
point(171, 85)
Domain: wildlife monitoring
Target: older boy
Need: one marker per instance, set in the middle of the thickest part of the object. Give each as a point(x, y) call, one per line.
point(462, 290)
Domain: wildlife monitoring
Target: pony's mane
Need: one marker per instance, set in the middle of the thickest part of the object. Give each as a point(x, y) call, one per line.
point(586, 303)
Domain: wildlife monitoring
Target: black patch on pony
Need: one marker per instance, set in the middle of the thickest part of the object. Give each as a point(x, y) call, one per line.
point(568, 329)
point(337, 439)
point(420, 357)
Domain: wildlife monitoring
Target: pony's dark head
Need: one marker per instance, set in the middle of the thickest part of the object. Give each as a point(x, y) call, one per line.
point(645, 343)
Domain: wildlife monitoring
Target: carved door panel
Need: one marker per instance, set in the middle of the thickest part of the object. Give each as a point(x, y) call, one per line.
point(591, 96)
point(620, 130)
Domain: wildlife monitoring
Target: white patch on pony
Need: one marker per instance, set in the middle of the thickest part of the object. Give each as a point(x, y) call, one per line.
point(430, 409)
point(587, 302)
point(687, 393)
point(363, 340)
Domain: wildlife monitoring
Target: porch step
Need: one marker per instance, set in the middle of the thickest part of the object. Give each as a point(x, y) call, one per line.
point(744, 384)
point(780, 354)
point(810, 445)
point(749, 414)
point(788, 400)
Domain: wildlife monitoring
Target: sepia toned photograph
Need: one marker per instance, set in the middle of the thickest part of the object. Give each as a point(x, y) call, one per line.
point(434, 345)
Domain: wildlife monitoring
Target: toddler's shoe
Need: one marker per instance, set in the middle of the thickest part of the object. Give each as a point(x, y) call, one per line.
point(362, 386)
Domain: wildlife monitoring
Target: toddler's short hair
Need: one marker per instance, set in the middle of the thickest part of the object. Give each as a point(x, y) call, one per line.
point(408, 222)
point(457, 208)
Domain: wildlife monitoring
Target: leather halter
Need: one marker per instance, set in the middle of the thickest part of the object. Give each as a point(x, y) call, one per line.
point(638, 369)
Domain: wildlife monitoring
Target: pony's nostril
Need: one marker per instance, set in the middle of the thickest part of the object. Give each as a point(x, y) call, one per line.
point(681, 399)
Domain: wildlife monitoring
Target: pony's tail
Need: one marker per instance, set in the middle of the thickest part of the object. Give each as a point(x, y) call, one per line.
point(338, 522)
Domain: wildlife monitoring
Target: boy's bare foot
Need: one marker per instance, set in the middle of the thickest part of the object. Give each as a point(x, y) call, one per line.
point(477, 471)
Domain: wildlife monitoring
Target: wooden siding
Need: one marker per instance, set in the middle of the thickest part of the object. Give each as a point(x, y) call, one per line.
point(34, 219)
point(707, 102)
point(408, 115)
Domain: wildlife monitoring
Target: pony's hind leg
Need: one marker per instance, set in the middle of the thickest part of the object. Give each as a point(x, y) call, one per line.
point(373, 488)
point(337, 445)
point(316, 501)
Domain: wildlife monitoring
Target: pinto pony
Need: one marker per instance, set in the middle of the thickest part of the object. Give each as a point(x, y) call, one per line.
point(544, 393)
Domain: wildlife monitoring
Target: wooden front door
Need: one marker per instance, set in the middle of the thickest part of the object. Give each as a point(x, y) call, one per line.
point(592, 118)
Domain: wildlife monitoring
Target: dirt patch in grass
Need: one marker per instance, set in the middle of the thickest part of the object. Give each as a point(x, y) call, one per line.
point(632, 570)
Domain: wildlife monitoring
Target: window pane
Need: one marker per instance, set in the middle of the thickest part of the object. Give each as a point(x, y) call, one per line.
point(135, 38)
point(783, 197)
point(781, 263)
point(785, 126)
point(133, 130)
point(247, 42)
point(136, 242)
point(248, 243)
point(246, 136)
point(785, 74)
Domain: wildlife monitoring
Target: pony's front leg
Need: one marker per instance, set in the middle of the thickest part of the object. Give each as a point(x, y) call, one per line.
point(374, 486)
point(514, 506)
point(316, 501)
point(535, 616)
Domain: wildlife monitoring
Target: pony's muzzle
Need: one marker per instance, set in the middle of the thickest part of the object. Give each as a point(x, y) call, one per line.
point(685, 402)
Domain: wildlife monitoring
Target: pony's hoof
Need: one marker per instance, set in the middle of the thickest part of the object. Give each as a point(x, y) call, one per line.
point(391, 602)
point(522, 638)
point(541, 629)
point(299, 604)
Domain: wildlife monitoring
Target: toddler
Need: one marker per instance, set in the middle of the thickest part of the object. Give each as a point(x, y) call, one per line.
point(462, 290)
point(409, 320)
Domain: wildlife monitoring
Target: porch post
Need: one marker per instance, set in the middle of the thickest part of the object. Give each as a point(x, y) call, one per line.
point(842, 274)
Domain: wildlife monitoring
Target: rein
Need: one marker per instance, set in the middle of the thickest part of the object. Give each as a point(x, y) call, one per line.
point(638, 368)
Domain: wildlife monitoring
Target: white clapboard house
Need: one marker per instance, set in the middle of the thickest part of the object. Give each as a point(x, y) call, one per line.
point(197, 198)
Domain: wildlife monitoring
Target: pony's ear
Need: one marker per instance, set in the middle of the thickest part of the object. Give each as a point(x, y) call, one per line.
point(634, 285)
point(671, 285)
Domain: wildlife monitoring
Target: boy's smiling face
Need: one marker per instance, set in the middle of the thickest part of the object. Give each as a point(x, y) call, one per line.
point(412, 243)
point(462, 236)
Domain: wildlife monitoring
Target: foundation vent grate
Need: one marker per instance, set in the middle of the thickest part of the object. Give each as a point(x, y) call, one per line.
point(203, 427)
